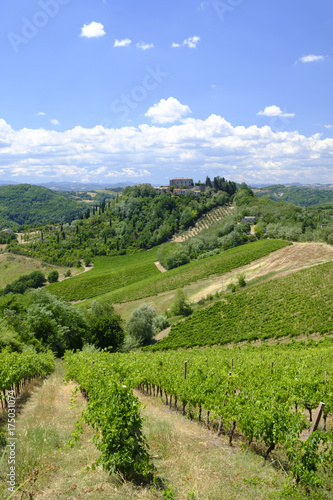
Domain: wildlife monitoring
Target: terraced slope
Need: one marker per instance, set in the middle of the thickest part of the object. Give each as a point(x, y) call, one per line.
point(214, 216)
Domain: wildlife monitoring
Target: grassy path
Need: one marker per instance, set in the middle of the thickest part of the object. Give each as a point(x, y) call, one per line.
point(192, 463)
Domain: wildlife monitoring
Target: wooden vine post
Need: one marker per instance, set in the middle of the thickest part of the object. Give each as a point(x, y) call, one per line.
point(316, 420)
point(325, 414)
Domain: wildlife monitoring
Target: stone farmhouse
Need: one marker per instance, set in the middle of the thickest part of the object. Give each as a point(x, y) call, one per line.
point(180, 182)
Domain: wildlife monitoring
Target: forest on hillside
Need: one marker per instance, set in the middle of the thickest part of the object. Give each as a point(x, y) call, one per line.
point(24, 204)
point(139, 219)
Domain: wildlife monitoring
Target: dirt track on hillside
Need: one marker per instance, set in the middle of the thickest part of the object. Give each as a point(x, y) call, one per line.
point(282, 262)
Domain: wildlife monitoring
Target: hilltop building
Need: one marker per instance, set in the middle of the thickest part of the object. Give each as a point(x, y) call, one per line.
point(180, 182)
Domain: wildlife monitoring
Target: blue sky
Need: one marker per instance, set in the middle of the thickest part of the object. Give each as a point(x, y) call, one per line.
point(142, 91)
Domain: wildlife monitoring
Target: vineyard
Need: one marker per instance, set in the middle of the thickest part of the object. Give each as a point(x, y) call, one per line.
point(16, 369)
point(122, 289)
point(108, 274)
point(213, 217)
point(297, 304)
point(267, 395)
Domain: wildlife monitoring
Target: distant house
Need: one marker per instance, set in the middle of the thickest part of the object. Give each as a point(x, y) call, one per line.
point(181, 191)
point(248, 220)
point(162, 189)
point(179, 182)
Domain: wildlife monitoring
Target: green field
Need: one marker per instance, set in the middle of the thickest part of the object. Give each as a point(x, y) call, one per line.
point(132, 277)
point(298, 304)
point(108, 273)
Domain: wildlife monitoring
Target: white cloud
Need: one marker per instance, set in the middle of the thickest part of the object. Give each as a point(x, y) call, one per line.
point(92, 30)
point(192, 42)
point(275, 111)
point(193, 148)
point(54, 121)
point(167, 111)
point(122, 43)
point(145, 46)
point(311, 58)
point(328, 126)
point(40, 113)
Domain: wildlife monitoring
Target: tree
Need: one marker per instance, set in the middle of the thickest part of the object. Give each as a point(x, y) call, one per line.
point(104, 327)
point(259, 231)
point(141, 324)
point(53, 276)
point(54, 322)
point(180, 306)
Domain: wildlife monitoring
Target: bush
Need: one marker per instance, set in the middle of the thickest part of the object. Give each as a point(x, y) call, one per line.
point(173, 255)
point(35, 279)
point(241, 280)
point(180, 306)
point(160, 323)
point(130, 343)
point(140, 324)
point(53, 277)
point(104, 327)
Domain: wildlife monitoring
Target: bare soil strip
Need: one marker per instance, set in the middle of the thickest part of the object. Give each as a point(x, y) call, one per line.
point(160, 267)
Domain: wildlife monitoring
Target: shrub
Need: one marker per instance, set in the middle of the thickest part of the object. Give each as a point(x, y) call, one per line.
point(105, 327)
point(140, 324)
point(241, 280)
point(53, 277)
point(160, 323)
point(181, 307)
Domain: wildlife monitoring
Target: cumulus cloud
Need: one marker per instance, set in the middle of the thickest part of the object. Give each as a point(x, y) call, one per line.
point(328, 126)
point(144, 46)
point(122, 43)
point(54, 121)
point(275, 111)
point(311, 58)
point(40, 113)
point(190, 42)
point(168, 111)
point(92, 30)
point(193, 148)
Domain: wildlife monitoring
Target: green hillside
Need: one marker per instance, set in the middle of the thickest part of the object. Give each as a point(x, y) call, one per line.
point(298, 304)
point(26, 204)
point(132, 277)
point(140, 219)
point(298, 195)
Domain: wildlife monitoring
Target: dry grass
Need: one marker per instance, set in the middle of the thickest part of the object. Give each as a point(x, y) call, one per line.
point(285, 261)
point(199, 465)
point(192, 463)
point(13, 266)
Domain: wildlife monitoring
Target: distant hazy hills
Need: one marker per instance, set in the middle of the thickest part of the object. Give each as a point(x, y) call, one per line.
point(26, 204)
point(304, 196)
point(75, 186)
